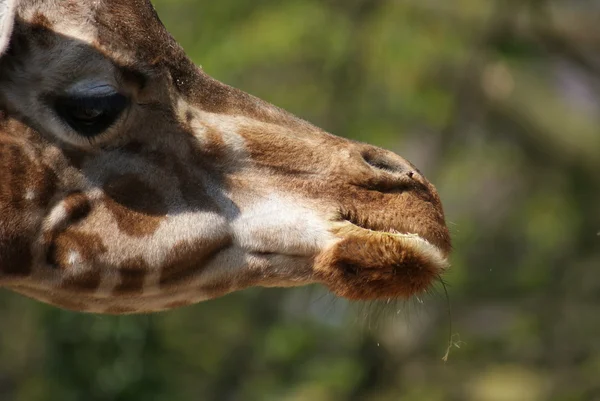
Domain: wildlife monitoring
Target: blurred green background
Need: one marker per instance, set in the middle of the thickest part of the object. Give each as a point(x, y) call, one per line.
point(498, 103)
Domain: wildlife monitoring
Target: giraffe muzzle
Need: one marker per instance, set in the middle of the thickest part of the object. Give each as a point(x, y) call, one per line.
point(394, 242)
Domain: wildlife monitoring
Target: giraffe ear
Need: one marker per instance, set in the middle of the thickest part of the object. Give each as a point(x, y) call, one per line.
point(7, 16)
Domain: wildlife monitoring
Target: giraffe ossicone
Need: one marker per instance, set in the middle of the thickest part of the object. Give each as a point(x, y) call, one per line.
point(131, 181)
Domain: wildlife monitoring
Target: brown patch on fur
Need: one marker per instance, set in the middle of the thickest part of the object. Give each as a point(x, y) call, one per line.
point(45, 186)
point(87, 282)
point(211, 154)
point(372, 266)
point(133, 273)
point(15, 253)
point(137, 208)
point(41, 31)
point(18, 175)
point(15, 233)
point(189, 117)
point(89, 247)
point(285, 154)
point(214, 147)
point(77, 206)
point(187, 259)
point(71, 6)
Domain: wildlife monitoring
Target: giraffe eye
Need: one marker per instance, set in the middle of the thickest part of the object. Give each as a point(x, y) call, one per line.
point(90, 115)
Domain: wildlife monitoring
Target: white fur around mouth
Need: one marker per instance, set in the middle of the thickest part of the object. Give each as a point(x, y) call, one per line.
point(424, 247)
point(408, 240)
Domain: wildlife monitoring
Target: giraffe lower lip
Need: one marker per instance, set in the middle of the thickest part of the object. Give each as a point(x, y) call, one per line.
point(405, 236)
point(441, 245)
point(366, 264)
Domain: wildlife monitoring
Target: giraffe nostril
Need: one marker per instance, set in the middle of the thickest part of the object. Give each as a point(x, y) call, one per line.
point(384, 161)
point(385, 171)
point(377, 162)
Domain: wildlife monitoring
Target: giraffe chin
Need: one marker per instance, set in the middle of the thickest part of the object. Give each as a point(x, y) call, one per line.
point(375, 265)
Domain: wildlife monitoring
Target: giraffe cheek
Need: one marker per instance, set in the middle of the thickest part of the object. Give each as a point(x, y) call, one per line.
point(76, 254)
point(15, 254)
point(25, 189)
point(137, 208)
point(15, 237)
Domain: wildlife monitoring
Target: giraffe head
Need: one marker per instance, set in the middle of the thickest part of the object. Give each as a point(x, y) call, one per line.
point(131, 181)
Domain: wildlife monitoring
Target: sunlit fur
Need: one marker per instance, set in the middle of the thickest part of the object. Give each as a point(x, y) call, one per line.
point(197, 189)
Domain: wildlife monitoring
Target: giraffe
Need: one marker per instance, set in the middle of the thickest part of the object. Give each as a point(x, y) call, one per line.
point(133, 182)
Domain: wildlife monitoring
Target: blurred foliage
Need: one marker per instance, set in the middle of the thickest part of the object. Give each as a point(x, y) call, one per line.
point(498, 102)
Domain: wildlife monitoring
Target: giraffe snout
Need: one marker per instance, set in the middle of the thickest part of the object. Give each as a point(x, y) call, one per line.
point(381, 160)
point(394, 241)
point(376, 169)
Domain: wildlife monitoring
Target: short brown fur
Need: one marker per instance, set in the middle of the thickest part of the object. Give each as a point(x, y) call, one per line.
point(197, 189)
